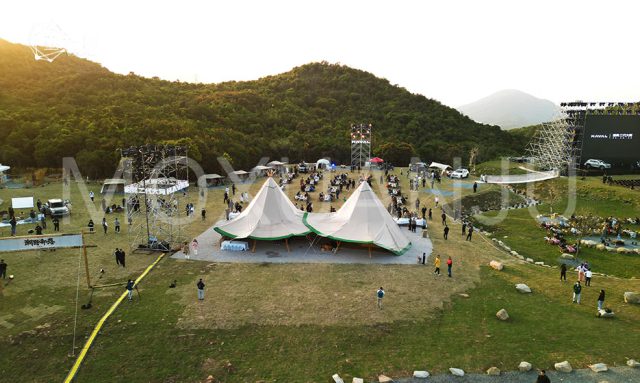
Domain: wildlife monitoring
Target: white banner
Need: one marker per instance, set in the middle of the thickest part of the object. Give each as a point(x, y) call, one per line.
point(22, 202)
point(40, 242)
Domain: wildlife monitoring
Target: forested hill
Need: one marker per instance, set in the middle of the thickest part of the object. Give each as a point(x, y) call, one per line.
point(73, 107)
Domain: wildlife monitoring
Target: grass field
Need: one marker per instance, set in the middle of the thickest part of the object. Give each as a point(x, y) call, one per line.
point(305, 322)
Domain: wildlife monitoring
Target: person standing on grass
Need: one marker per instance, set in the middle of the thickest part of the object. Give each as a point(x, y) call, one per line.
point(200, 286)
point(117, 255)
point(563, 272)
point(430, 214)
point(600, 299)
point(587, 277)
point(380, 295)
point(91, 195)
point(56, 224)
point(417, 203)
point(437, 200)
point(130, 285)
point(542, 377)
point(117, 225)
point(203, 213)
point(464, 228)
point(437, 265)
point(469, 233)
point(444, 218)
point(446, 232)
point(105, 225)
point(424, 212)
point(475, 187)
point(3, 269)
point(13, 224)
point(449, 266)
point(577, 290)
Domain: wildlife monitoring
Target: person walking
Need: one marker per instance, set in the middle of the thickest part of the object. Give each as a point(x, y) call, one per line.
point(116, 225)
point(233, 189)
point(542, 377)
point(469, 233)
point(449, 266)
point(203, 213)
point(56, 224)
point(380, 294)
point(464, 228)
point(3, 269)
point(194, 247)
point(130, 285)
point(90, 225)
point(186, 250)
point(446, 232)
point(430, 214)
point(475, 187)
point(437, 265)
point(424, 212)
point(437, 200)
point(424, 258)
point(563, 272)
point(200, 286)
point(417, 203)
point(43, 222)
point(444, 218)
point(600, 299)
point(105, 225)
point(122, 256)
point(91, 195)
point(577, 289)
point(587, 277)
point(117, 255)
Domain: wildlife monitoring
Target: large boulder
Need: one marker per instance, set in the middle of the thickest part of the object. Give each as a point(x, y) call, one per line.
point(521, 287)
point(384, 379)
point(524, 366)
point(496, 265)
point(633, 363)
point(563, 367)
point(493, 371)
point(456, 371)
point(632, 297)
point(502, 314)
point(337, 378)
point(420, 374)
point(598, 367)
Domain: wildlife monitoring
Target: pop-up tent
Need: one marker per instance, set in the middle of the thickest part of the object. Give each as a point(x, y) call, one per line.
point(323, 163)
point(270, 216)
point(362, 219)
point(442, 167)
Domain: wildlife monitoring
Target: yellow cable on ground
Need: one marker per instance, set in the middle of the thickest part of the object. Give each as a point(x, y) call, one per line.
point(114, 306)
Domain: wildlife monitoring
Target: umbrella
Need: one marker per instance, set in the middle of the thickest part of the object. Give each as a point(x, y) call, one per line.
point(376, 160)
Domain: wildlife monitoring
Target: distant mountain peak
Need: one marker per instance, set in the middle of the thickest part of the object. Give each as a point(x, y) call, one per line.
point(510, 108)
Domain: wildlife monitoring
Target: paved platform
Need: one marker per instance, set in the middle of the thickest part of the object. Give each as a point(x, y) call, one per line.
point(306, 250)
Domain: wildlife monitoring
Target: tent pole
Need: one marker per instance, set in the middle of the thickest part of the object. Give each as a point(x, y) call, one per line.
point(253, 250)
point(338, 247)
point(286, 242)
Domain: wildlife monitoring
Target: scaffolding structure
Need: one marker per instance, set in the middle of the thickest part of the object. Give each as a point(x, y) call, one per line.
point(360, 144)
point(558, 145)
point(158, 177)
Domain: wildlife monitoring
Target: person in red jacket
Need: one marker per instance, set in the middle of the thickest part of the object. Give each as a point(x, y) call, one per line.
point(449, 265)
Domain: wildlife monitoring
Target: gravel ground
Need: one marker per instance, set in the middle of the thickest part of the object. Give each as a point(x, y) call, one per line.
point(614, 375)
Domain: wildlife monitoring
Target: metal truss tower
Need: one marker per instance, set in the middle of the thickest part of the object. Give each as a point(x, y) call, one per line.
point(156, 196)
point(360, 144)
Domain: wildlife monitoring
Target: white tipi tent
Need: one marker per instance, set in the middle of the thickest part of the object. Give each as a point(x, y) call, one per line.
point(362, 219)
point(270, 216)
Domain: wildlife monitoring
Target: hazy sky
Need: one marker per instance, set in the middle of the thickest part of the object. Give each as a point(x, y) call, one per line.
point(453, 51)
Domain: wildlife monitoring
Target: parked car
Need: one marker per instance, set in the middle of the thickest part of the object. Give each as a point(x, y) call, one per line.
point(597, 164)
point(459, 173)
point(57, 208)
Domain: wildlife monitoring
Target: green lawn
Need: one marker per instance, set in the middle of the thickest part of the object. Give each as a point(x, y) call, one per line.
point(306, 322)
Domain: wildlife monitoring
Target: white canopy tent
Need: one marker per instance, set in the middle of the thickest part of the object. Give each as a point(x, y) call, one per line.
point(276, 163)
point(362, 219)
point(323, 163)
point(442, 167)
point(270, 216)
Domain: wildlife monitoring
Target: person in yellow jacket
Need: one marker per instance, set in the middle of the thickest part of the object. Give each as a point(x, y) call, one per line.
point(437, 265)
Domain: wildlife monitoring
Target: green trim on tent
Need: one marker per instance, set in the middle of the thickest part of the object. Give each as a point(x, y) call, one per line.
point(226, 234)
point(397, 253)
